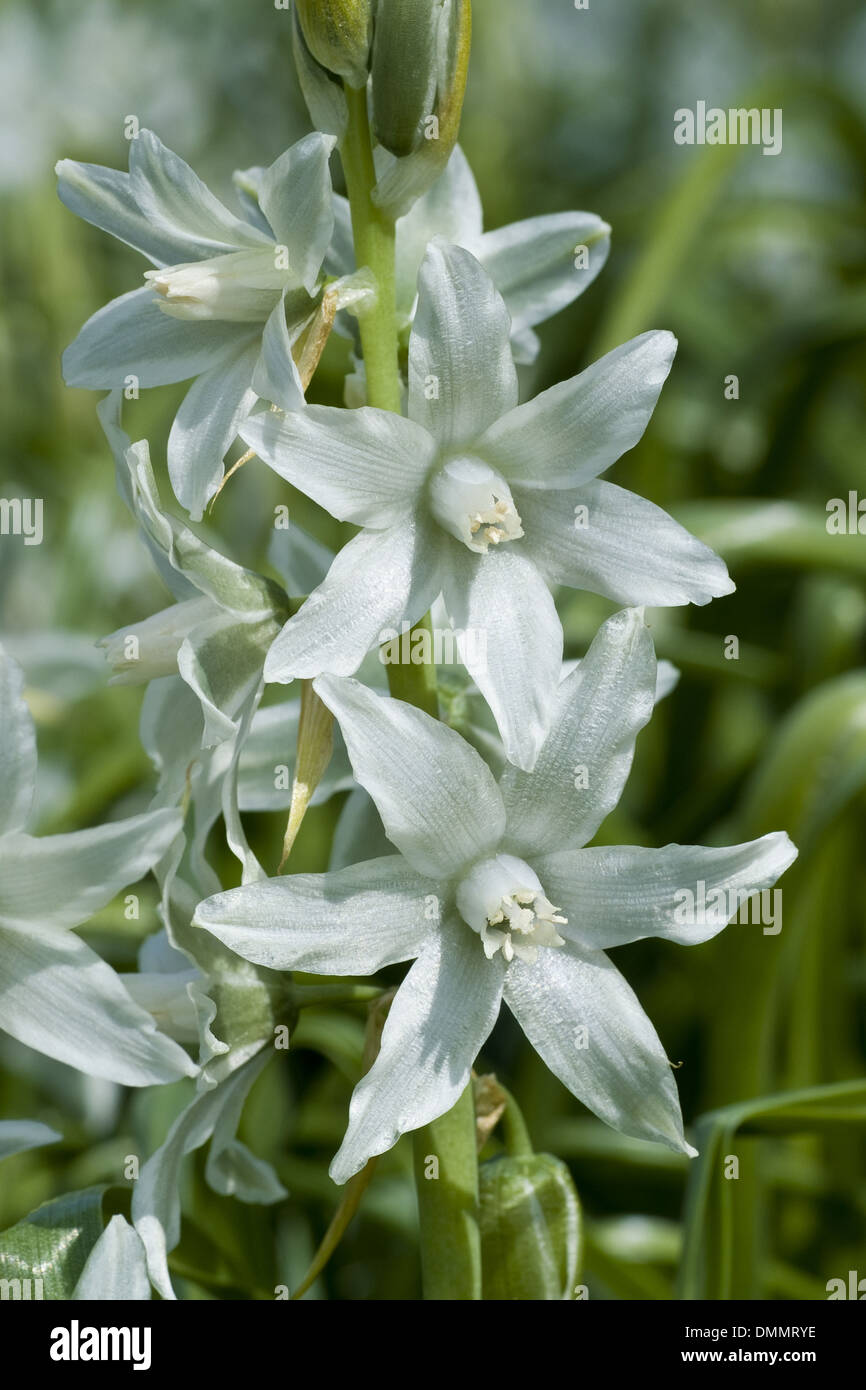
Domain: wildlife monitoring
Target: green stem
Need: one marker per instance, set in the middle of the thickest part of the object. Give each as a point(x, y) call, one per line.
point(415, 682)
point(448, 1204)
point(374, 247)
point(514, 1132)
point(312, 996)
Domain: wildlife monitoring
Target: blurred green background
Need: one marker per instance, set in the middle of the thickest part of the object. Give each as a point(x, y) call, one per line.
point(758, 265)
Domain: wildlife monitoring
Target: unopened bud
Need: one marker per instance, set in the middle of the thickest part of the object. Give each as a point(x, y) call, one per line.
point(338, 33)
point(530, 1228)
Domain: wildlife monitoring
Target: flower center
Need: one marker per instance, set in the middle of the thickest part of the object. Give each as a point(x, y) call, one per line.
point(474, 503)
point(503, 900)
point(242, 286)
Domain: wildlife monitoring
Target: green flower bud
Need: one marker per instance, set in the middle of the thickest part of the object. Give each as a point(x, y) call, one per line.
point(418, 48)
point(429, 134)
point(338, 35)
point(531, 1228)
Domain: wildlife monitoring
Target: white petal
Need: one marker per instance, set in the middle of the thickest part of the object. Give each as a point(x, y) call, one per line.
point(441, 1017)
point(17, 748)
point(628, 549)
point(684, 893)
point(461, 373)
point(116, 1268)
point(174, 199)
point(532, 263)
point(510, 639)
point(450, 209)
point(132, 337)
point(352, 922)
point(61, 880)
point(156, 1210)
point(60, 998)
point(580, 773)
point(16, 1136)
point(276, 377)
point(577, 429)
point(206, 425)
point(377, 580)
point(438, 801)
point(295, 196)
point(617, 1066)
point(104, 197)
point(365, 466)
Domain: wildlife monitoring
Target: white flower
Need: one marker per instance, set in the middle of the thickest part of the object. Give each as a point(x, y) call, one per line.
point(485, 500)
point(486, 871)
point(59, 996)
point(228, 299)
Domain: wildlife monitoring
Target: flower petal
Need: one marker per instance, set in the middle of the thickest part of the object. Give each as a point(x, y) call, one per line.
point(461, 373)
point(174, 199)
point(440, 1019)
point(207, 424)
point(684, 893)
point(510, 638)
point(17, 748)
point(586, 1023)
point(365, 466)
point(582, 768)
point(376, 580)
point(295, 196)
point(352, 922)
point(451, 208)
point(59, 997)
point(438, 801)
point(533, 263)
point(577, 429)
point(104, 197)
point(16, 1136)
point(116, 1268)
point(132, 337)
point(276, 377)
point(610, 541)
point(61, 880)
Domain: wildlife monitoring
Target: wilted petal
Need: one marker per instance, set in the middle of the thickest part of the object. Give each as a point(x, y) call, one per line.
point(582, 768)
point(510, 639)
point(365, 466)
point(684, 893)
point(461, 373)
point(577, 429)
point(438, 801)
point(587, 1025)
point(352, 922)
point(607, 540)
point(440, 1019)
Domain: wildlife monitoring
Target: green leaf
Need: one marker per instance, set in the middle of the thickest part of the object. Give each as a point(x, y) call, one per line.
point(52, 1243)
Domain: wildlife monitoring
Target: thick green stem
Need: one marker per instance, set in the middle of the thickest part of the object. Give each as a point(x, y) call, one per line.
point(373, 234)
point(446, 1178)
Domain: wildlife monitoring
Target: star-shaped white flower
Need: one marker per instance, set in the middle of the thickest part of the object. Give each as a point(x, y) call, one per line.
point(495, 896)
point(228, 299)
point(484, 500)
point(58, 996)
